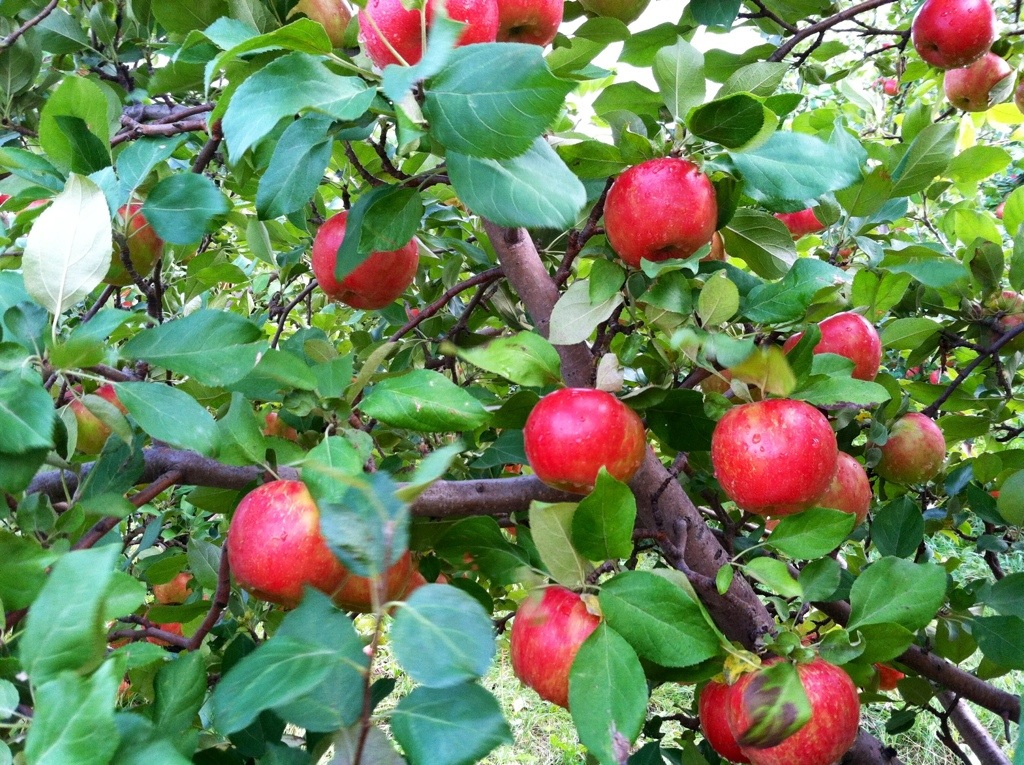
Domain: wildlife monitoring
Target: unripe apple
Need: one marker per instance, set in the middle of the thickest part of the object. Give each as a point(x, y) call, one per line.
point(774, 457)
point(801, 223)
point(714, 722)
point(660, 209)
point(1018, 96)
point(92, 431)
point(573, 432)
point(387, 28)
point(529, 21)
point(826, 737)
point(333, 15)
point(144, 246)
point(626, 11)
point(851, 335)
point(376, 282)
point(1009, 306)
point(915, 451)
point(175, 591)
point(275, 548)
point(850, 489)
point(949, 34)
point(547, 633)
point(971, 88)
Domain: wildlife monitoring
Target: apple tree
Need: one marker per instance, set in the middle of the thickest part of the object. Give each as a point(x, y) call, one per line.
point(691, 333)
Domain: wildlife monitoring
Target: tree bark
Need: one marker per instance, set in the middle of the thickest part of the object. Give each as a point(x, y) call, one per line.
point(974, 734)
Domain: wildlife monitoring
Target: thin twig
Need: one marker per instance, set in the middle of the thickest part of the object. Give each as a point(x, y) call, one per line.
point(484, 277)
point(307, 290)
point(12, 38)
point(815, 29)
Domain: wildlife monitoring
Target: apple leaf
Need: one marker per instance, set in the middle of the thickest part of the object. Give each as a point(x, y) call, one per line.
point(762, 241)
point(574, 317)
point(481, 538)
point(375, 748)
point(27, 416)
point(909, 333)
point(525, 358)
point(775, 574)
point(296, 168)
point(442, 36)
point(659, 620)
point(680, 422)
point(737, 121)
point(449, 726)
point(24, 571)
point(812, 533)
point(789, 299)
point(385, 218)
point(607, 695)
point(442, 636)
point(170, 415)
point(897, 529)
point(602, 526)
point(679, 72)
point(928, 157)
point(776, 705)
point(1000, 639)
point(423, 400)
point(182, 207)
point(896, 590)
point(180, 687)
point(551, 529)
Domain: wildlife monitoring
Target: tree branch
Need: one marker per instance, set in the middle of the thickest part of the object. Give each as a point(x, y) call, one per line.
point(815, 29)
point(973, 732)
point(12, 38)
point(484, 277)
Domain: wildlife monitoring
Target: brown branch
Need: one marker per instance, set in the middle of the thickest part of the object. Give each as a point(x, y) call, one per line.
point(816, 29)
point(101, 301)
point(381, 148)
point(972, 731)
point(868, 750)
point(366, 175)
point(307, 290)
point(484, 277)
point(12, 38)
point(103, 526)
point(206, 154)
point(220, 601)
point(766, 13)
point(579, 239)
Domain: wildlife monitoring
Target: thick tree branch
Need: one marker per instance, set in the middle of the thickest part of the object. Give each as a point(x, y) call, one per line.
point(973, 732)
point(827, 23)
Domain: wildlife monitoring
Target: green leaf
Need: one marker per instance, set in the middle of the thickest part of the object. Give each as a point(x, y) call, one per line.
point(679, 72)
point(24, 571)
point(180, 691)
point(140, 742)
point(534, 189)
point(423, 400)
point(789, 299)
point(897, 529)
point(657, 618)
point(602, 527)
point(68, 249)
point(1000, 639)
point(139, 158)
point(931, 268)
point(762, 241)
point(296, 168)
point(775, 574)
point(385, 218)
point(375, 748)
point(27, 416)
point(64, 628)
point(482, 540)
point(493, 100)
point(907, 334)
point(812, 533)
point(819, 579)
point(680, 422)
point(761, 78)
point(239, 431)
point(551, 530)
point(574, 317)
point(896, 590)
point(1005, 596)
point(928, 157)
point(443, 637)
point(719, 299)
point(719, 13)
point(776, 704)
point(449, 726)
point(977, 163)
point(736, 121)
point(170, 415)
point(187, 345)
point(179, 18)
point(303, 35)
point(182, 207)
point(81, 98)
point(830, 390)
point(442, 36)
point(525, 358)
point(607, 695)
point(290, 85)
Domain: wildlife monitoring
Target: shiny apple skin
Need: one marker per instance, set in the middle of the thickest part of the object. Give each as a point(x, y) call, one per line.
point(801, 223)
point(626, 11)
point(950, 34)
point(850, 489)
point(573, 432)
point(547, 633)
point(827, 736)
point(275, 548)
point(529, 21)
point(915, 451)
point(402, 28)
point(144, 247)
point(774, 457)
point(660, 209)
point(376, 282)
point(333, 15)
point(969, 88)
point(175, 591)
point(714, 723)
point(851, 335)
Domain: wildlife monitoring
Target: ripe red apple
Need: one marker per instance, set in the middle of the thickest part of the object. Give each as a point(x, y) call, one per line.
point(1018, 96)
point(970, 88)
point(573, 432)
point(275, 426)
point(890, 86)
point(175, 591)
point(529, 21)
point(376, 282)
point(850, 490)
point(888, 677)
point(547, 632)
point(827, 736)
point(714, 723)
point(333, 15)
point(660, 209)
point(173, 627)
point(92, 431)
point(774, 457)
point(949, 34)
point(1001, 207)
point(915, 451)
point(4, 198)
point(801, 223)
point(851, 335)
point(392, 35)
point(276, 548)
point(1009, 307)
point(626, 11)
point(144, 246)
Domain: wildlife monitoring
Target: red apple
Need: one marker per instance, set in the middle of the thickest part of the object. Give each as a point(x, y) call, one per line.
point(1001, 207)
point(915, 451)
point(574, 432)
point(890, 86)
point(949, 34)
point(529, 21)
point(851, 335)
point(175, 591)
point(277, 427)
point(392, 35)
point(173, 627)
point(827, 736)
point(888, 677)
point(92, 431)
point(970, 88)
point(774, 457)
point(714, 723)
point(1018, 96)
point(660, 209)
point(1009, 308)
point(850, 490)
point(4, 198)
point(144, 246)
point(547, 632)
point(625, 11)
point(276, 548)
point(333, 15)
point(376, 282)
point(801, 223)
